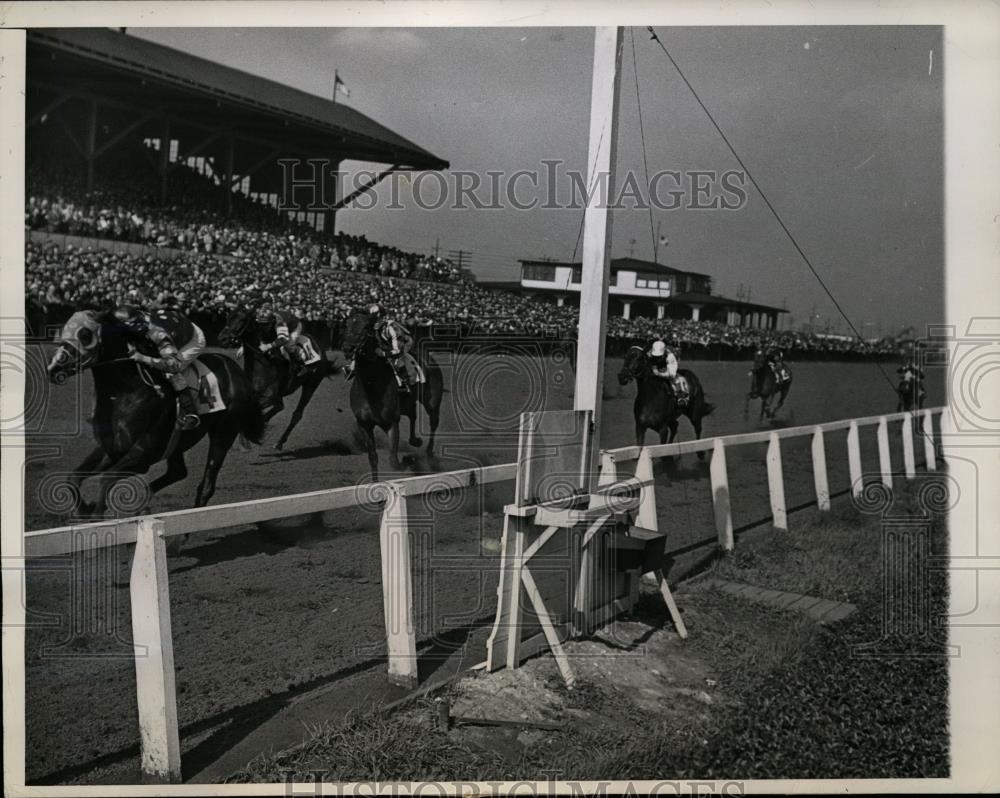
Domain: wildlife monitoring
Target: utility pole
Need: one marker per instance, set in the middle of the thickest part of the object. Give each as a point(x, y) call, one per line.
point(596, 264)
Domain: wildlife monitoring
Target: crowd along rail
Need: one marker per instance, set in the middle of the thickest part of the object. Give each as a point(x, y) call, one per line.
point(149, 584)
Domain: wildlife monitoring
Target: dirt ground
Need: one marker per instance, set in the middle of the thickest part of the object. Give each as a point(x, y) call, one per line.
point(259, 613)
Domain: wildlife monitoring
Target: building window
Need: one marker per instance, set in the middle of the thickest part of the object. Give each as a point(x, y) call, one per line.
point(651, 280)
point(538, 271)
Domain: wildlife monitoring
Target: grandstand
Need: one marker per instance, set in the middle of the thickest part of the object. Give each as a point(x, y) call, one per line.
point(154, 174)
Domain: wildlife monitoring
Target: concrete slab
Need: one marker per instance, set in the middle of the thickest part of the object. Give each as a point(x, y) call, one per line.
point(819, 609)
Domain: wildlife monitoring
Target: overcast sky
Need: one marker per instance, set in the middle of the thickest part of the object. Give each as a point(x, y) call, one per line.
point(842, 128)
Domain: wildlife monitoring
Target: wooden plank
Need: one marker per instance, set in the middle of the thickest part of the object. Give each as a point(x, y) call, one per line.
point(884, 459)
point(596, 260)
point(540, 541)
point(508, 594)
point(668, 599)
point(397, 591)
point(854, 461)
point(551, 635)
point(85, 537)
point(646, 516)
point(776, 483)
point(156, 693)
point(719, 476)
point(909, 463)
point(609, 470)
point(819, 471)
point(927, 432)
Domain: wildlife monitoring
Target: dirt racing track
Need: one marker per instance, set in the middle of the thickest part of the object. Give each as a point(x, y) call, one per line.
point(262, 614)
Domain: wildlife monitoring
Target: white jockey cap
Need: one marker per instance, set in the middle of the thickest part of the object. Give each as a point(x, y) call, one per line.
point(374, 310)
point(659, 349)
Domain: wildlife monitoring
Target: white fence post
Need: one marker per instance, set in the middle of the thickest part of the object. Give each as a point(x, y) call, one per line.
point(928, 435)
point(646, 516)
point(819, 470)
point(854, 460)
point(776, 482)
point(884, 459)
point(909, 464)
point(609, 470)
point(156, 692)
point(721, 503)
point(397, 589)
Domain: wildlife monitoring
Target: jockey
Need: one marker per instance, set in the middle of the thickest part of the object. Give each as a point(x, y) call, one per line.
point(397, 341)
point(287, 329)
point(178, 342)
point(911, 371)
point(664, 364)
point(776, 360)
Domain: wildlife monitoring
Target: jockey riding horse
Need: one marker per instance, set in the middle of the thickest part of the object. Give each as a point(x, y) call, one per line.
point(664, 363)
point(176, 340)
point(396, 343)
point(910, 391)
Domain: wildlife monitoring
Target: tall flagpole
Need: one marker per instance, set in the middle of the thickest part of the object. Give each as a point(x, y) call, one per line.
point(597, 231)
point(336, 78)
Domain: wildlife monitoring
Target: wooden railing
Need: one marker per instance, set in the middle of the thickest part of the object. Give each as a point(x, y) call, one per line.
point(150, 596)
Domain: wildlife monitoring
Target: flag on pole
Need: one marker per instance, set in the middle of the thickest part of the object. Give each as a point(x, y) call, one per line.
point(338, 85)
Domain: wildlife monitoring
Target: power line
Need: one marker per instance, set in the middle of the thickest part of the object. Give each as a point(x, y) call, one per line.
point(763, 196)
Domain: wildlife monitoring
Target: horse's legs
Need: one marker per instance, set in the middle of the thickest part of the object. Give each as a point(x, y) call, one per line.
point(368, 434)
point(220, 440)
point(92, 464)
point(394, 446)
point(640, 434)
point(695, 417)
point(176, 471)
point(781, 400)
point(276, 408)
point(434, 417)
point(134, 462)
point(308, 389)
point(764, 402)
point(414, 440)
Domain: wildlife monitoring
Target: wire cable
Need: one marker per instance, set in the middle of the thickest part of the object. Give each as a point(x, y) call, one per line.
point(763, 196)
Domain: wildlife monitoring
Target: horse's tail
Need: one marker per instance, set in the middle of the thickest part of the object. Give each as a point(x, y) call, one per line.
point(707, 409)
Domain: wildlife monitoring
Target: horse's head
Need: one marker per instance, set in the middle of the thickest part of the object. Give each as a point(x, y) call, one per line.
point(238, 325)
point(359, 333)
point(759, 359)
point(634, 365)
point(79, 346)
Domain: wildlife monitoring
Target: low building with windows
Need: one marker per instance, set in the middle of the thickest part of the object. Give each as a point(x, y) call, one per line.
point(643, 288)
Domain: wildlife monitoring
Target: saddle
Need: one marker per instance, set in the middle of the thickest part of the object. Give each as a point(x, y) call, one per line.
point(780, 373)
point(205, 384)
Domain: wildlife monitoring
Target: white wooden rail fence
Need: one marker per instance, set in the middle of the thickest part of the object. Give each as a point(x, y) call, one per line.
point(149, 588)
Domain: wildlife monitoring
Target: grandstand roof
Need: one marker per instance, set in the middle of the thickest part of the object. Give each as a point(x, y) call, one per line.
point(621, 264)
point(126, 70)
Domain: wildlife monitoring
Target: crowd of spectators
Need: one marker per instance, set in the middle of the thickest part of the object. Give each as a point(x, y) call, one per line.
point(208, 261)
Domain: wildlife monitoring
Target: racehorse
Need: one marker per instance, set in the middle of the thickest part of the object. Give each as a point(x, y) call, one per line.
point(375, 396)
point(910, 395)
point(766, 388)
point(270, 373)
point(656, 406)
point(135, 414)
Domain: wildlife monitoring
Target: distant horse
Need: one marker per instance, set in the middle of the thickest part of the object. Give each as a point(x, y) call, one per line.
point(135, 415)
point(910, 395)
point(270, 373)
point(656, 406)
point(766, 388)
point(375, 396)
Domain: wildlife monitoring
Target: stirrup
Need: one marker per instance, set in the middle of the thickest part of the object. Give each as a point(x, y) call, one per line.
point(188, 422)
